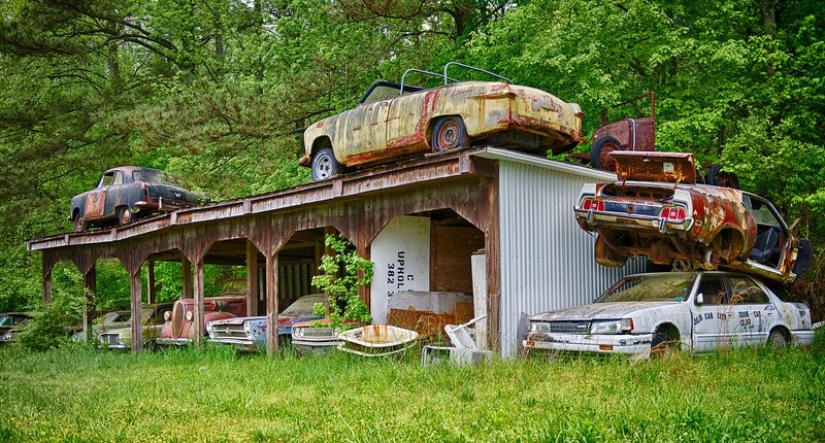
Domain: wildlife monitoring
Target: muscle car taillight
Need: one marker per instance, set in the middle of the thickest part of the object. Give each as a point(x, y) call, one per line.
point(592, 204)
point(674, 213)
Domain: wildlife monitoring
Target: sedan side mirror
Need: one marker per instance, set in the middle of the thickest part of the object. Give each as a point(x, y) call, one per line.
point(700, 299)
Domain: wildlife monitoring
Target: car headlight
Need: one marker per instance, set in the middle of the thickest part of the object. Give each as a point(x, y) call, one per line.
point(611, 326)
point(247, 327)
point(167, 316)
point(539, 327)
point(189, 316)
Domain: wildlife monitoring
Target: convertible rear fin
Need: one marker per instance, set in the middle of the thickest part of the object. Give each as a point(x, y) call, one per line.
point(670, 167)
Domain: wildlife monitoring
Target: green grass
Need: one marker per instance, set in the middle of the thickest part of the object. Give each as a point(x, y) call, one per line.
point(78, 395)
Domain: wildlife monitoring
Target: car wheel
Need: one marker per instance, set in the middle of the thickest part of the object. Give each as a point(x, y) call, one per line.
point(124, 216)
point(449, 133)
point(79, 224)
point(777, 339)
point(664, 342)
point(324, 165)
point(600, 153)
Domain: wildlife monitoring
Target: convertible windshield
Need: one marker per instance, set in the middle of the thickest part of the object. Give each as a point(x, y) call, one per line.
point(658, 287)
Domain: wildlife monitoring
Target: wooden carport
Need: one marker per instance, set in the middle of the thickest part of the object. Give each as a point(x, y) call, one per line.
point(359, 206)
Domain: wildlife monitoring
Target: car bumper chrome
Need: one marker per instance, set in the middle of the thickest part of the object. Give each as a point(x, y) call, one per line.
point(174, 341)
point(591, 219)
point(239, 343)
point(802, 338)
point(601, 344)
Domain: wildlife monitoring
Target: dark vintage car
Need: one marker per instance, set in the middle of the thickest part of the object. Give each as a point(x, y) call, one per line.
point(123, 194)
point(691, 311)
point(11, 323)
point(394, 120)
point(657, 210)
point(118, 335)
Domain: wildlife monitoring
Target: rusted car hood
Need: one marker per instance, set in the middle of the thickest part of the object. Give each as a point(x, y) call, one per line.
point(670, 167)
point(599, 311)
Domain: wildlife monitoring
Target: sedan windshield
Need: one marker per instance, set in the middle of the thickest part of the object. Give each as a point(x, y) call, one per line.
point(656, 287)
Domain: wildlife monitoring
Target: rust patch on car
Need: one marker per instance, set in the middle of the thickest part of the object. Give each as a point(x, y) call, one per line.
point(671, 167)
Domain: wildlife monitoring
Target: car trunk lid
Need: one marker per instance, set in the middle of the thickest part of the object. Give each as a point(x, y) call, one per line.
point(669, 167)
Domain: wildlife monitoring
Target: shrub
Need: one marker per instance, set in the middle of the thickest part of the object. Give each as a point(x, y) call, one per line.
point(343, 272)
point(50, 327)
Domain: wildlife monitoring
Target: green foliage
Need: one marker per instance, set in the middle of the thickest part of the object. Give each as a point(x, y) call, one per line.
point(343, 272)
point(53, 325)
point(217, 92)
point(742, 395)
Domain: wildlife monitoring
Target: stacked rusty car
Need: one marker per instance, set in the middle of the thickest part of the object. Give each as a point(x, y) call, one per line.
point(394, 120)
point(739, 251)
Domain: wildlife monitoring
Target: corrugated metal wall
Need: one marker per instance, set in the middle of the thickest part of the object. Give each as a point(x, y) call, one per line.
point(546, 259)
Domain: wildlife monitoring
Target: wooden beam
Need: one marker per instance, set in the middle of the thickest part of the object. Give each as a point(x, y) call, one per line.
point(186, 276)
point(150, 279)
point(137, 311)
point(89, 289)
point(198, 326)
point(271, 290)
point(251, 279)
point(47, 283)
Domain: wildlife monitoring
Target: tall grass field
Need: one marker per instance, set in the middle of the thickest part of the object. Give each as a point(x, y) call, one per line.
point(213, 395)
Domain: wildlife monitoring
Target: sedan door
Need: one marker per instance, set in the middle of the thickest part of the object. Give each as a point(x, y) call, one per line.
point(753, 311)
point(711, 316)
point(95, 205)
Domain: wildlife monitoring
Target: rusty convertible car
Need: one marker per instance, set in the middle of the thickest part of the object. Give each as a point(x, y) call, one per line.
point(657, 210)
point(690, 311)
point(123, 194)
point(395, 120)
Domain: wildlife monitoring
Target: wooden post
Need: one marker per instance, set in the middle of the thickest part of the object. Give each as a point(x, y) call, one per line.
point(47, 281)
point(186, 277)
point(89, 289)
point(251, 279)
point(137, 311)
point(364, 292)
point(150, 293)
point(271, 304)
point(198, 326)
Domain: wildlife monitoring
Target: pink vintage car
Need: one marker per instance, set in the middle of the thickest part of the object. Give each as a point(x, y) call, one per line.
point(179, 329)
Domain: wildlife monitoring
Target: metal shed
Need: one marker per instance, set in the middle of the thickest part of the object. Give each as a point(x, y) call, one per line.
point(514, 208)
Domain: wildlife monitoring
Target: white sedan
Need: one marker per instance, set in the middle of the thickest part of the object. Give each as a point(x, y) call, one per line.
point(692, 311)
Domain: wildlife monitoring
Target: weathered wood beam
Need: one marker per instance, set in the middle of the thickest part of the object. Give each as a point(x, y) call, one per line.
point(89, 290)
point(150, 282)
point(271, 290)
point(198, 326)
point(137, 310)
point(251, 279)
